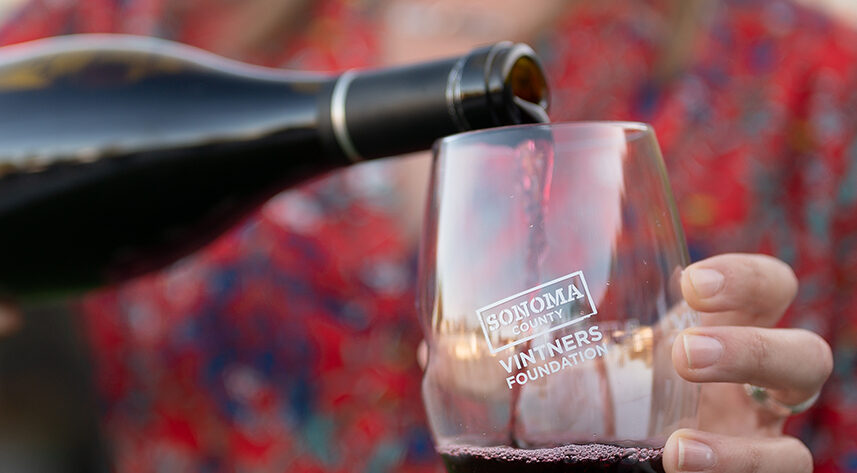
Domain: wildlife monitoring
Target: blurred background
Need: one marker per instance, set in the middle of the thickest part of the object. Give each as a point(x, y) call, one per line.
point(844, 9)
point(289, 344)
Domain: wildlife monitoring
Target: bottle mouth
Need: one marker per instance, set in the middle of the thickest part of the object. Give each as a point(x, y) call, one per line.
point(526, 81)
point(510, 78)
point(526, 85)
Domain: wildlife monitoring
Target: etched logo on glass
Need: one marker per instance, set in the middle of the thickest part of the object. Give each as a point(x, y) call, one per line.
point(542, 309)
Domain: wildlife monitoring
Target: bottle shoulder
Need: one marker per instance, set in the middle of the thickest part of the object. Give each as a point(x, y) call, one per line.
point(164, 54)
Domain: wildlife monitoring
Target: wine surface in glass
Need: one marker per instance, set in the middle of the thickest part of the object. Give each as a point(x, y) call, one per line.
point(594, 458)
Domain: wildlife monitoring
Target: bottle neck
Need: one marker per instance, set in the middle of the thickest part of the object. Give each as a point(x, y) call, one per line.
point(377, 113)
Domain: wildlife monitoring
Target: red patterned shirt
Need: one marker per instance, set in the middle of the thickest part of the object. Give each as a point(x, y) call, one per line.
point(288, 344)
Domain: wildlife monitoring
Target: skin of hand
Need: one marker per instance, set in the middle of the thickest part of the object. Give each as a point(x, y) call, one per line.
point(740, 298)
point(10, 319)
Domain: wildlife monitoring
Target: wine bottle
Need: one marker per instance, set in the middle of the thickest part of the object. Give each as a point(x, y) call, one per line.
point(120, 154)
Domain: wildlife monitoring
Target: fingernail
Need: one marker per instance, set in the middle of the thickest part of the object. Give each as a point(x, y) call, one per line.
point(701, 351)
point(694, 456)
point(706, 282)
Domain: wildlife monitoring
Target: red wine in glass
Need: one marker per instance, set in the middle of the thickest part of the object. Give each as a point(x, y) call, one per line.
point(589, 458)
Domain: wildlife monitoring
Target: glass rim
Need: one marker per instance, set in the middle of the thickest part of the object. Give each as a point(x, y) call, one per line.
point(643, 128)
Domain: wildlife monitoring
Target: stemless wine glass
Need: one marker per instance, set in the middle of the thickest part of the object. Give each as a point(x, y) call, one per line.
point(550, 300)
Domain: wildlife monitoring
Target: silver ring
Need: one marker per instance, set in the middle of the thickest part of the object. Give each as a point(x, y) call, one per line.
point(337, 116)
point(764, 398)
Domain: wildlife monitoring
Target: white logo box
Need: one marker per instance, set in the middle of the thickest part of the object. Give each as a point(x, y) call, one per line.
point(536, 311)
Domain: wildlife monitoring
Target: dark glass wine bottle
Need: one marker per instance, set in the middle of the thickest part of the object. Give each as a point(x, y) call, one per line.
point(120, 154)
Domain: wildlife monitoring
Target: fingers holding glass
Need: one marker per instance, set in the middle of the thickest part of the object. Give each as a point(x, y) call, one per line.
point(739, 289)
point(696, 451)
point(793, 362)
point(739, 295)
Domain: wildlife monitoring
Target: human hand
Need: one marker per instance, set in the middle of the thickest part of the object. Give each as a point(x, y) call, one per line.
point(739, 298)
